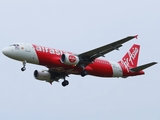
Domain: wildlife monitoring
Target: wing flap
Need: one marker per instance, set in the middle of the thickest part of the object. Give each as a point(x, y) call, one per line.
point(142, 67)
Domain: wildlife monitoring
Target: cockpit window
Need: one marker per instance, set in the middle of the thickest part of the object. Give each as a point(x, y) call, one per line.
point(16, 46)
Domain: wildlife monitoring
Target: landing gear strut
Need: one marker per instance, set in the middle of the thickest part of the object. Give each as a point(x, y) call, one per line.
point(24, 66)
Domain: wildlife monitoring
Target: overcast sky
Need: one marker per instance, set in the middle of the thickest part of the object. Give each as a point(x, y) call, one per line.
point(79, 26)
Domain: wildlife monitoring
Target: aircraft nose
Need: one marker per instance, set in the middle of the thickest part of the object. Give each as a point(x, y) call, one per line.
point(5, 51)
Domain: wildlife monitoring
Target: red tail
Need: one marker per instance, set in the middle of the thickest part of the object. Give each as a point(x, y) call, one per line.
point(130, 60)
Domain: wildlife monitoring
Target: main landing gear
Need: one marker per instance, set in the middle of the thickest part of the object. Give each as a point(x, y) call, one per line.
point(65, 82)
point(24, 66)
point(84, 73)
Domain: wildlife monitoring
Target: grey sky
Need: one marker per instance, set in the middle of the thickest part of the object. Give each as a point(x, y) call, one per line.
point(79, 26)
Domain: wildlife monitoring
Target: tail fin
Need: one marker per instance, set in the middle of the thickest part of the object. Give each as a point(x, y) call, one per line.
point(131, 57)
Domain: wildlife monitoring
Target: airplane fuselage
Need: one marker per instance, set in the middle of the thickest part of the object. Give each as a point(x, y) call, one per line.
point(51, 58)
point(61, 64)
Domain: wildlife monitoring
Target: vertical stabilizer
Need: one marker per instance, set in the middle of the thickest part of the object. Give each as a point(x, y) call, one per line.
point(130, 59)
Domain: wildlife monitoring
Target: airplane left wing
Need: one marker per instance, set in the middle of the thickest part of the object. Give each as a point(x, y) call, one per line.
point(89, 56)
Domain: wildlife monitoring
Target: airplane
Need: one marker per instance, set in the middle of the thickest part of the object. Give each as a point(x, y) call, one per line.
point(60, 64)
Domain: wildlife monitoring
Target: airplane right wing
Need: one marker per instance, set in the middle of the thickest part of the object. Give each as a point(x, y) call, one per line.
point(89, 56)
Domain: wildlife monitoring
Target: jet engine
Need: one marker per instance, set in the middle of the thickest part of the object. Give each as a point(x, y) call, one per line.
point(42, 75)
point(69, 59)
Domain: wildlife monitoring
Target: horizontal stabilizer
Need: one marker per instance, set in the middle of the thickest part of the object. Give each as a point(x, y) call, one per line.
point(142, 67)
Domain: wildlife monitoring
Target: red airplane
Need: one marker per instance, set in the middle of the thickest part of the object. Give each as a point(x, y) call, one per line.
point(61, 64)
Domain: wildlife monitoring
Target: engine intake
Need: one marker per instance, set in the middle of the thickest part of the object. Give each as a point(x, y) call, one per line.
point(69, 59)
point(42, 75)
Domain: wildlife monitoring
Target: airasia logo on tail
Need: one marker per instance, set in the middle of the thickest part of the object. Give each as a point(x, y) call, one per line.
point(131, 58)
point(72, 58)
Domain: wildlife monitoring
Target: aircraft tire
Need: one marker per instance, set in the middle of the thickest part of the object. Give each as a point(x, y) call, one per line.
point(65, 83)
point(23, 69)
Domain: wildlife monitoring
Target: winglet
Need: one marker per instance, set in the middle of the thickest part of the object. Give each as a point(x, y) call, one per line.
point(136, 36)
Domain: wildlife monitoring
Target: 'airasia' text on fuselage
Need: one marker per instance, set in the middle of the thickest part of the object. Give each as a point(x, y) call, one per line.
point(50, 50)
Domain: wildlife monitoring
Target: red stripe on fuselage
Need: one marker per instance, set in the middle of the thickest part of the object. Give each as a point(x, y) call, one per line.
point(50, 58)
point(101, 68)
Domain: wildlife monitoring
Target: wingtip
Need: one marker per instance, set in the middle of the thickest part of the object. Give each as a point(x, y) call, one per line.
point(155, 62)
point(136, 36)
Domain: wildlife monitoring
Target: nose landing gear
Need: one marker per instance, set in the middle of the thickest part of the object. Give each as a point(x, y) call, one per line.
point(24, 64)
point(23, 69)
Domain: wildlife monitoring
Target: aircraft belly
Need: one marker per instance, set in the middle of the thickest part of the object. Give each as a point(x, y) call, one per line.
point(64, 70)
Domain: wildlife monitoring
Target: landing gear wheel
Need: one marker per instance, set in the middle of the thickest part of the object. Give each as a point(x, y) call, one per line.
point(23, 69)
point(84, 73)
point(65, 83)
point(24, 64)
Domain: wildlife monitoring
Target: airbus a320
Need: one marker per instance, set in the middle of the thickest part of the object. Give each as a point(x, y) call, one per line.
point(60, 64)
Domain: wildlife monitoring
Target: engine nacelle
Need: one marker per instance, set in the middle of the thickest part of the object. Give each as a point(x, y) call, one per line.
point(69, 59)
point(42, 75)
